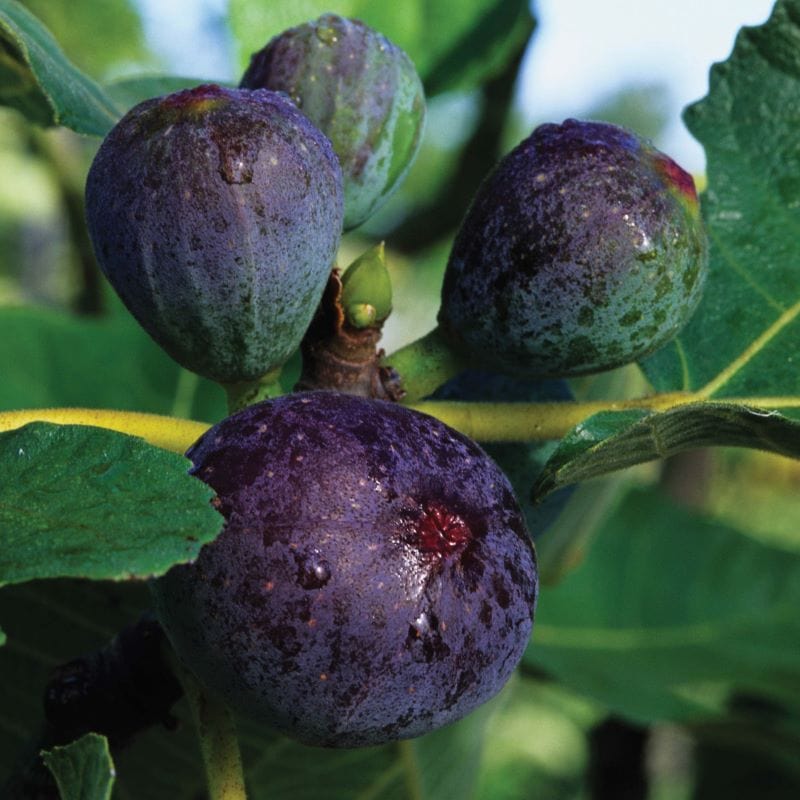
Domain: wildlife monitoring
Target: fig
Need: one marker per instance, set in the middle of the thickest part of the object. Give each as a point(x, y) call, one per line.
point(583, 250)
point(361, 91)
point(215, 214)
point(374, 579)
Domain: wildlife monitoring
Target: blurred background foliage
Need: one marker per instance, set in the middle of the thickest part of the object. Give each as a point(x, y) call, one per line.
point(66, 341)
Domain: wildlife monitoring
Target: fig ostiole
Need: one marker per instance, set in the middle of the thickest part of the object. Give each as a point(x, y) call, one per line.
point(582, 251)
point(374, 579)
point(216, 214)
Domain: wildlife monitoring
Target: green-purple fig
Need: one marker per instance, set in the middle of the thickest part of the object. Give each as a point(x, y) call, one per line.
point(216, 213)
point(582, 251)
point(361, 91)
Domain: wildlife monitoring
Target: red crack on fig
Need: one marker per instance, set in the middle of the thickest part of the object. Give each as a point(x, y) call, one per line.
point(440, 532)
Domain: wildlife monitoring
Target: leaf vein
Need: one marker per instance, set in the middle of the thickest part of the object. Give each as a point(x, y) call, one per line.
point(750, 352)
point(733, 263)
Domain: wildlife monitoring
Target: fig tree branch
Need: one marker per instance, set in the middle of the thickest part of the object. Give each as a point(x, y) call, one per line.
point(485, 422)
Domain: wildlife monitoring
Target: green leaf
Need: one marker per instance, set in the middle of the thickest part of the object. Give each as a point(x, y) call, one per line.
point(128, 92)
point(37, 78)
point(563, 548)
point(48, 358)
point(83, 770)
point(51, 622)
point(537, 745)
point(87, 502)
point(745, 337)
point(453, 43)
point(78, 25)
point(670, 613)
point(613, 440)
point(763, 483)
point(442, 764)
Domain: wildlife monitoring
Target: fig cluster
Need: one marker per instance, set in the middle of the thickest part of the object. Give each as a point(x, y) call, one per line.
point(582, 251)
point(374, 579)
point(216, 213)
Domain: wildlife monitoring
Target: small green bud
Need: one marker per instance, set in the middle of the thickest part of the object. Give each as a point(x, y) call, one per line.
point(367, 289)
point(361, 315)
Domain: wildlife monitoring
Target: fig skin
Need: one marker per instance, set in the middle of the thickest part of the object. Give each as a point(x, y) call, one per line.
point(374, 579)
point(582, 251)
point(361, 91)
point(216, 214)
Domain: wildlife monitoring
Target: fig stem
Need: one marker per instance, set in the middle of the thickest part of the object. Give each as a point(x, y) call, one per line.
point(424, 365)
point(410, 762)
point(216, 731)
point(185, 391)
point(245, 393)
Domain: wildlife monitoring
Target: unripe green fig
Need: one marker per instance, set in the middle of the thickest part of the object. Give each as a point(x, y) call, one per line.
point(216, 214)
point(361, 91)
point(582, 251)
point(374, 579)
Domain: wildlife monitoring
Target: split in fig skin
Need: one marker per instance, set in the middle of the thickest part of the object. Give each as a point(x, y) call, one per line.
point(374, 579)
point(216, 214)
point(361, 91)
point(582, 251)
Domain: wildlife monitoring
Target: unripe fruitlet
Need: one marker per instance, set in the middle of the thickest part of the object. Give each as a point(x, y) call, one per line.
point(361, 91)
point(582, 251)
point(374, 579)
point(216, 213)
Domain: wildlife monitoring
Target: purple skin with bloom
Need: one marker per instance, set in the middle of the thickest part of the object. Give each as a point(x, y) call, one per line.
point(374, 579)
point(582, 251)
point(216, 214)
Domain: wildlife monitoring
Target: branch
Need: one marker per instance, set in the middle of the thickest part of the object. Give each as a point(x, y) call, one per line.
point(485, 422)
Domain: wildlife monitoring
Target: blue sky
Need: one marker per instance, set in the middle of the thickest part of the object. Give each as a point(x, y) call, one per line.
point(583, 50)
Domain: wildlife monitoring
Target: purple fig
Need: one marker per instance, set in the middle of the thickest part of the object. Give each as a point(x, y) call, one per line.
point(361, 91)
point(216, 214)
point(374, 579)
point(582, 251)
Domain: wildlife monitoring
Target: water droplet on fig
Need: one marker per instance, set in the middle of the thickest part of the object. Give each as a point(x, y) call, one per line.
point(236, 170)
point(424, 639)
point(313, 572)
point(327, 34)
point(422, 624)
point(236, 159)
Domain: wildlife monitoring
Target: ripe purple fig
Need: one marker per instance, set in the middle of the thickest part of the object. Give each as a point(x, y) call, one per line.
point(374, 579)
point(361, 91)
point(216, 214)
point(582, 251)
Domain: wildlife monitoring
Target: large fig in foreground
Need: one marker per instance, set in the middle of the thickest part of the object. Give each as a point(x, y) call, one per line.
point(361, 91)
point(582, 251)
point(374, 579)
point(216, 213)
